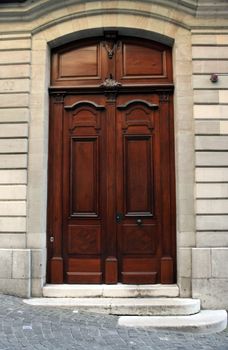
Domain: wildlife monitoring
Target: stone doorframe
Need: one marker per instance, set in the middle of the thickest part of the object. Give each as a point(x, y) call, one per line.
point(157, 29)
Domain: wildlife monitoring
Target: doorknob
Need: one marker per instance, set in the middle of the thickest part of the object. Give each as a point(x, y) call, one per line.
point(119, 217)
point(139, 222)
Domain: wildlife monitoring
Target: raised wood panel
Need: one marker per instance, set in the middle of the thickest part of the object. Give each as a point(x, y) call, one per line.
point(84, 265)
point(84, 177)
point(137, 240)
point(83, 270)
point(143, 264)
point(85, 118)
point(140, 270)
point(84, 239)
point(143, 62)
point(139, 277)
point(84, 277)
point(138, 113)
point(138, 177)
point(86, 64)
point(148, 62)
point(76, 65)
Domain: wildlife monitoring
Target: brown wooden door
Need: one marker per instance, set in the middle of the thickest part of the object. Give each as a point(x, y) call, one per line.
point(111, 185)
point(138, 188)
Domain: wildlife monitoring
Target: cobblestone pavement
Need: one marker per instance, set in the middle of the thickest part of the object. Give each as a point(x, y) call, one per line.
point(28, 327)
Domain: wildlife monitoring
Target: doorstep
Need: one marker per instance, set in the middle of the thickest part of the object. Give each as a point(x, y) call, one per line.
point(125, 306)
point(110, 291)
point(154, 306)
point(206, 321)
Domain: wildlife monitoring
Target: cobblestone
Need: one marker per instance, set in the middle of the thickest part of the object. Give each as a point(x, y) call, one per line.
point(40, 328)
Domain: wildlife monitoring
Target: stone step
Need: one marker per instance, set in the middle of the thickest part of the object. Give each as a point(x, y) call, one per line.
point(110, 291)
point(125, 306)
point(206, 321)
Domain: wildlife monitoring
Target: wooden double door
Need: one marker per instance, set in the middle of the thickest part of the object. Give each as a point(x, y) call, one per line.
point(111, 211)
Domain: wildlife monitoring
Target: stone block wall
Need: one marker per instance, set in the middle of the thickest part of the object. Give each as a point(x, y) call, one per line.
point(210, 256)
point(15, 57)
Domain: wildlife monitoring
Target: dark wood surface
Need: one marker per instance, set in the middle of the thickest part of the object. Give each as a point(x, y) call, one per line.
point(111, 199)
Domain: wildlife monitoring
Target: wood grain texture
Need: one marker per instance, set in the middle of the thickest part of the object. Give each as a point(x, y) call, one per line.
point(78, 64)
point(84, 176)
point(143, 62)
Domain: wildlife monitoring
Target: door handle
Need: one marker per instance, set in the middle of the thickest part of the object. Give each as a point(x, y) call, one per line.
point(119, 218)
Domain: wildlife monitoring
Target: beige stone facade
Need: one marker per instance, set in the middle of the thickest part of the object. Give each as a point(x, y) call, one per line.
point(198, 33)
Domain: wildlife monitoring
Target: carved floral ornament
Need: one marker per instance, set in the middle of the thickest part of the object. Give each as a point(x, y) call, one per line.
point(110, 83)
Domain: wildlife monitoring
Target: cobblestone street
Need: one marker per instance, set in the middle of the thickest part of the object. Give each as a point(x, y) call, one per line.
point(28, 327)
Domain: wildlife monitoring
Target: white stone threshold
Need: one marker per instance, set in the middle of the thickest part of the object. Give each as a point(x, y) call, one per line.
point(206, 321)
point(124, 306)
point(110, 291)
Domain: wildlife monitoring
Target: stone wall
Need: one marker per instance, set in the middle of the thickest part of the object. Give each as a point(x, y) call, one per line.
point(210, 257)
point(15, 57)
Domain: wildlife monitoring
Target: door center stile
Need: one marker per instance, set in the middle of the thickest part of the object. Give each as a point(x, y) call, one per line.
point(111, 260)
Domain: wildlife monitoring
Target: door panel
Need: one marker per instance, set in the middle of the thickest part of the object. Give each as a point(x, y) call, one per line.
point(142, 65)
point(84, 179)
point(77, 65)
point(138, 174)
point(85, 66)
point(82, 270)
point(84, 239)
point(142, 61)
point(146, 271)
point(139, 241)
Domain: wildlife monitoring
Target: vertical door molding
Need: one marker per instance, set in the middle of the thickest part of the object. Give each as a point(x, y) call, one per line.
point(111, 262)
point(54, 236)
point(167, 190)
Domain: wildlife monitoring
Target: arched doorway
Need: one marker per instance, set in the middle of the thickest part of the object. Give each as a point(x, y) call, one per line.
point(111, 206)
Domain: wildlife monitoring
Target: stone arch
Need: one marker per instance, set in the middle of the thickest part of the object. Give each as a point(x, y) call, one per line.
point(122, 31)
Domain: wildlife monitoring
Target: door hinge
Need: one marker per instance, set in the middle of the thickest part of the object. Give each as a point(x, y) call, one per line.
point(52, 239)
